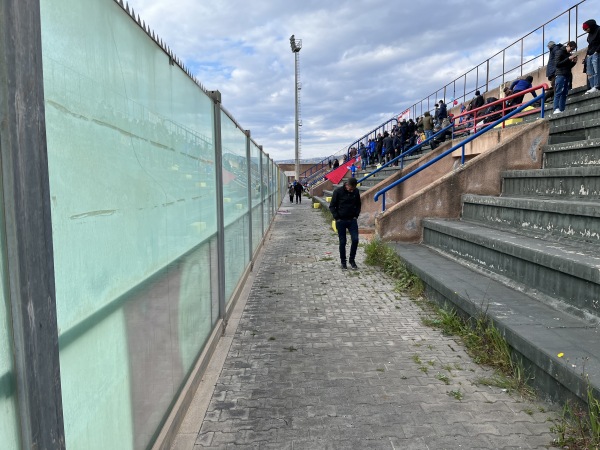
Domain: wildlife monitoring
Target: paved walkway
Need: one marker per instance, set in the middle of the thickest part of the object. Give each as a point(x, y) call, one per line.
point(330, 359)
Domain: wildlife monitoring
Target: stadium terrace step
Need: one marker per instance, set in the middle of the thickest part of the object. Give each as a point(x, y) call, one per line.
point(573, 154)
point(569, 182)
point(534, 330)
point(568, 127)
point(529, 259)
point(565, 271)
point(549, 218)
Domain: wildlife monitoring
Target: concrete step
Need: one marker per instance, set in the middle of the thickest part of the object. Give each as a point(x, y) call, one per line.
point(572, 154)
point(569, 182)
point(565, 274)
point(570, 127)
point(535, 331)
point(554, 219)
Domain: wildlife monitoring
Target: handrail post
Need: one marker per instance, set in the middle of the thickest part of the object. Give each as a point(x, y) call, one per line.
point(383, 202)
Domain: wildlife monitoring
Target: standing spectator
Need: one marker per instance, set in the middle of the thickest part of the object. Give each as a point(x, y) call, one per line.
point(363, 156)
point(330, 163)
point(298, 188)
point(443, 114)
point(427, 124)
point(436, 115)
point(372, 146)
point(379, 147)
point(345, 208)
point(553, 49)
point(591, 60)
point(564, 63)
point(388, 147)
point(476, 102)
point(291, 191)
point(336, 163)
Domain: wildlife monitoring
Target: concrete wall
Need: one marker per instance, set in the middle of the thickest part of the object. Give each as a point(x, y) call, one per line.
point(481, 175)
point(318, 190)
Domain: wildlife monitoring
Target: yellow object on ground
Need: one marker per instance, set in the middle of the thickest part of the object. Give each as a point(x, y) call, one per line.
point(316, 205)
point(333, 226)
point(328, 199)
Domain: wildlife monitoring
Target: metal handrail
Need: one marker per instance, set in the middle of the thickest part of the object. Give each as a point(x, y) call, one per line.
point(500, 101)
point(407, 152)
point(461, 144)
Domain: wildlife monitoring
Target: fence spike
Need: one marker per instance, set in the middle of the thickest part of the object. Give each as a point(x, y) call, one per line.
point(127, 8)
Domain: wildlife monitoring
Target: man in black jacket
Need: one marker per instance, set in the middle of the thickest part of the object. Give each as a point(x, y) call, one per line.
point(345, 208)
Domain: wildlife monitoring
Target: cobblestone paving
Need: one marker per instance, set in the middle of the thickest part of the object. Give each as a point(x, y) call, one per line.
point(332, 359)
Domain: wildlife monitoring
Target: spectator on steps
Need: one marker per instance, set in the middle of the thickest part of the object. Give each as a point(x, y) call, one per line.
point(565, 61)
point(520, 84)
point(364, 156)
point(591, 60)
point(427, 124)
point(553, 49)
point(476, 102)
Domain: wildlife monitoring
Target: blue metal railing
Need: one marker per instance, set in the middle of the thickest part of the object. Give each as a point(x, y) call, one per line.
point(461, 145)
point(406, 153)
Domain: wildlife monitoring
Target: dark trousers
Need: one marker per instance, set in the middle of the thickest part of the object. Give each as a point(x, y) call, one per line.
point(351, 226)
point(298, 197)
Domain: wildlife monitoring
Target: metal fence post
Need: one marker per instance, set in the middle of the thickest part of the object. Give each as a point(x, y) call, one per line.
point(216, 98)
point(262, 187)
point(27, 219)
point(249, 175)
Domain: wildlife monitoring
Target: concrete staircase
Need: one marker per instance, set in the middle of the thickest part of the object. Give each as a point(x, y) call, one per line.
point(530, 258)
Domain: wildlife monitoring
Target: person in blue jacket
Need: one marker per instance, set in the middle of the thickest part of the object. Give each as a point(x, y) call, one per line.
point(519, 85)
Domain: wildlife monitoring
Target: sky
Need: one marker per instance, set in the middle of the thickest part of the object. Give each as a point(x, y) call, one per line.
point(362, 61)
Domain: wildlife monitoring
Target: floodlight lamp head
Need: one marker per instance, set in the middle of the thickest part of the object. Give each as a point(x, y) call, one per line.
point(296, 45)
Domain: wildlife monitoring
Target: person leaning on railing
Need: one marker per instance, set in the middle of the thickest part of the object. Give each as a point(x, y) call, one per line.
point(520, 84)
point(591, 60)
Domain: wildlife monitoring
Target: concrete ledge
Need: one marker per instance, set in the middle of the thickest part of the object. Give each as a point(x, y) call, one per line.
point(535, 331)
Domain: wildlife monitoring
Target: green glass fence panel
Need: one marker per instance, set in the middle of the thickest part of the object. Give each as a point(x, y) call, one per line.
point(256, 200)
point(9, 429)
point(132, 180)
point(235, 203)
point(266, 174)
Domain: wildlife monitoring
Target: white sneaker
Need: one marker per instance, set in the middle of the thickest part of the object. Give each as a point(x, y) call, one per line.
point(592, 90)
point(557, 111)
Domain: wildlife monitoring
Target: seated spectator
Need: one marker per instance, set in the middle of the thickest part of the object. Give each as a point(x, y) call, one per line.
point(492, 109)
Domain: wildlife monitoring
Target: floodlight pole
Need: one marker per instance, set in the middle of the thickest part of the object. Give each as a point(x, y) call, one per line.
point(296, 45)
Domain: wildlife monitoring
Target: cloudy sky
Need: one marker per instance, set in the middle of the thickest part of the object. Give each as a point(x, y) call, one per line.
point(362, 61)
